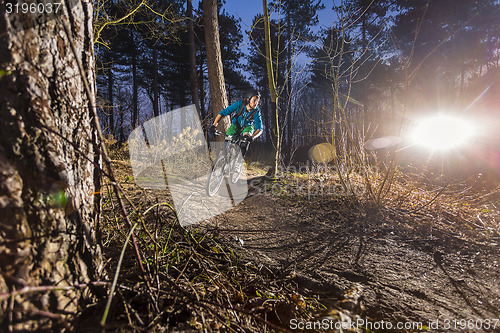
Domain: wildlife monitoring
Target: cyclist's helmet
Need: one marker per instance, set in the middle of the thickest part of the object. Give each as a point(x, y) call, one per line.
point(250, 94)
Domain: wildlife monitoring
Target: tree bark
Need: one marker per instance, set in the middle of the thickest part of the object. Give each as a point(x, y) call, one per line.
point(111, 101)
point(135, 83)
point(267, 114)
point(156, 91)
point(214, 60)
point(122, 133)
point(289, 81)
point(201, 75)
point(192, 60)
point(272, 88)
point(49, 175)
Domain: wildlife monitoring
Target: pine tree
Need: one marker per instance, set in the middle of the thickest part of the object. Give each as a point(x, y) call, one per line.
point(49, 168)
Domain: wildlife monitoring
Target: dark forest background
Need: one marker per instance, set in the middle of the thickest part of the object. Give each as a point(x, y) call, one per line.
point(380, 65)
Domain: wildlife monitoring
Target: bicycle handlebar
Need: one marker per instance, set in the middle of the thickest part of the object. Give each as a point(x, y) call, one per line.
point(217, 132)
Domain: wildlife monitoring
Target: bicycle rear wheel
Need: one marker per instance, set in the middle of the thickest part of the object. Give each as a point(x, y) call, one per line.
point(215, 176)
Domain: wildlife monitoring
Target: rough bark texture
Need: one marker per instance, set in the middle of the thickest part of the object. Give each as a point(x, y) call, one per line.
point(49, 207)
point(214, 59)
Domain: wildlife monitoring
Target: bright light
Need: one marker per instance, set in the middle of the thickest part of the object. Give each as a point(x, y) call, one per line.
point(442, 132)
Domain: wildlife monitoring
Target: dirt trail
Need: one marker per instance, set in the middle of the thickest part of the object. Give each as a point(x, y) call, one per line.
point(401, 269)
point(330, 247)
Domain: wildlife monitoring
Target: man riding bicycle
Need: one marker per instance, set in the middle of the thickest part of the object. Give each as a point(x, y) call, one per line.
point(247, 121)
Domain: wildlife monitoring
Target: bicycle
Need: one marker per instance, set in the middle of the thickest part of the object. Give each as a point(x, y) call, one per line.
point(228, 163)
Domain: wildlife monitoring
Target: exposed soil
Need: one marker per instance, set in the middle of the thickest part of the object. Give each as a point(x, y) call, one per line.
point(402, 267)
point(413, 259)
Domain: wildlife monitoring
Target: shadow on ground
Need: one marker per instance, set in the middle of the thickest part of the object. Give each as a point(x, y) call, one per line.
point(331, 246)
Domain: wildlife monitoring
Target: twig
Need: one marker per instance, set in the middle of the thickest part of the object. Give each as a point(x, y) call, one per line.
point(11, 312)
point(129, 307)
point(115, 279)
point(430, 201)
point(276, 327)
point(31, 289)
point(103, 149)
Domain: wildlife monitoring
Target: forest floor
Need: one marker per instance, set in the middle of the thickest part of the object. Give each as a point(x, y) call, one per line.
point(427, 258)
point(402, 268)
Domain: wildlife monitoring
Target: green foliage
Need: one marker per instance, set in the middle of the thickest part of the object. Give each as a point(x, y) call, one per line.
point(4, 72)
point(57, 199)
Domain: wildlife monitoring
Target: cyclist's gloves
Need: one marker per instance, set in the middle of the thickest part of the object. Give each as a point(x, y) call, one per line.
point(250, 138)
point(212, 129)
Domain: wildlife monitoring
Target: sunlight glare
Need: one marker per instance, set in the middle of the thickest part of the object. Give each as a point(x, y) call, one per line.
point(442, 132)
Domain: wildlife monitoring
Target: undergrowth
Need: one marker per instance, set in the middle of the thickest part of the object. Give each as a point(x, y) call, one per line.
point(186, 278)
point(176, 278)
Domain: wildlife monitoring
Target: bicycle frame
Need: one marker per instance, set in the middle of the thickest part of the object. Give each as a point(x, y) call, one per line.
point(227, 162)
point(228, 143)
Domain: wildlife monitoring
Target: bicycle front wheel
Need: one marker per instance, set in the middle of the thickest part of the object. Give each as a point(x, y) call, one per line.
point(215, 176)
point(235, 166)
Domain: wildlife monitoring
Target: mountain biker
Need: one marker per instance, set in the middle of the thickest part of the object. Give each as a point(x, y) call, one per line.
point(247, 121)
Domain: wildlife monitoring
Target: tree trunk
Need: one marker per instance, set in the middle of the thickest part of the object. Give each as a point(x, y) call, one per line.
point(202, 90)
point(111, 102)
point(135, 97)
point(122, 124)
point(156, 92)
point(267, 115)
point(214, 60)
point(289, 81)
point(182, 88)
point(49, 183)
point(228, 94)
point(272, 88)
point(192, 60)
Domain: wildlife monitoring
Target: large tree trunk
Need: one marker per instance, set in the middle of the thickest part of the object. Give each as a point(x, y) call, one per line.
point(214, 59)
point(49, 202)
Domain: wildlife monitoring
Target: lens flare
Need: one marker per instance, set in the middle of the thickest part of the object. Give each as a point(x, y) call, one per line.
point(442, 132)
point(322, 153)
